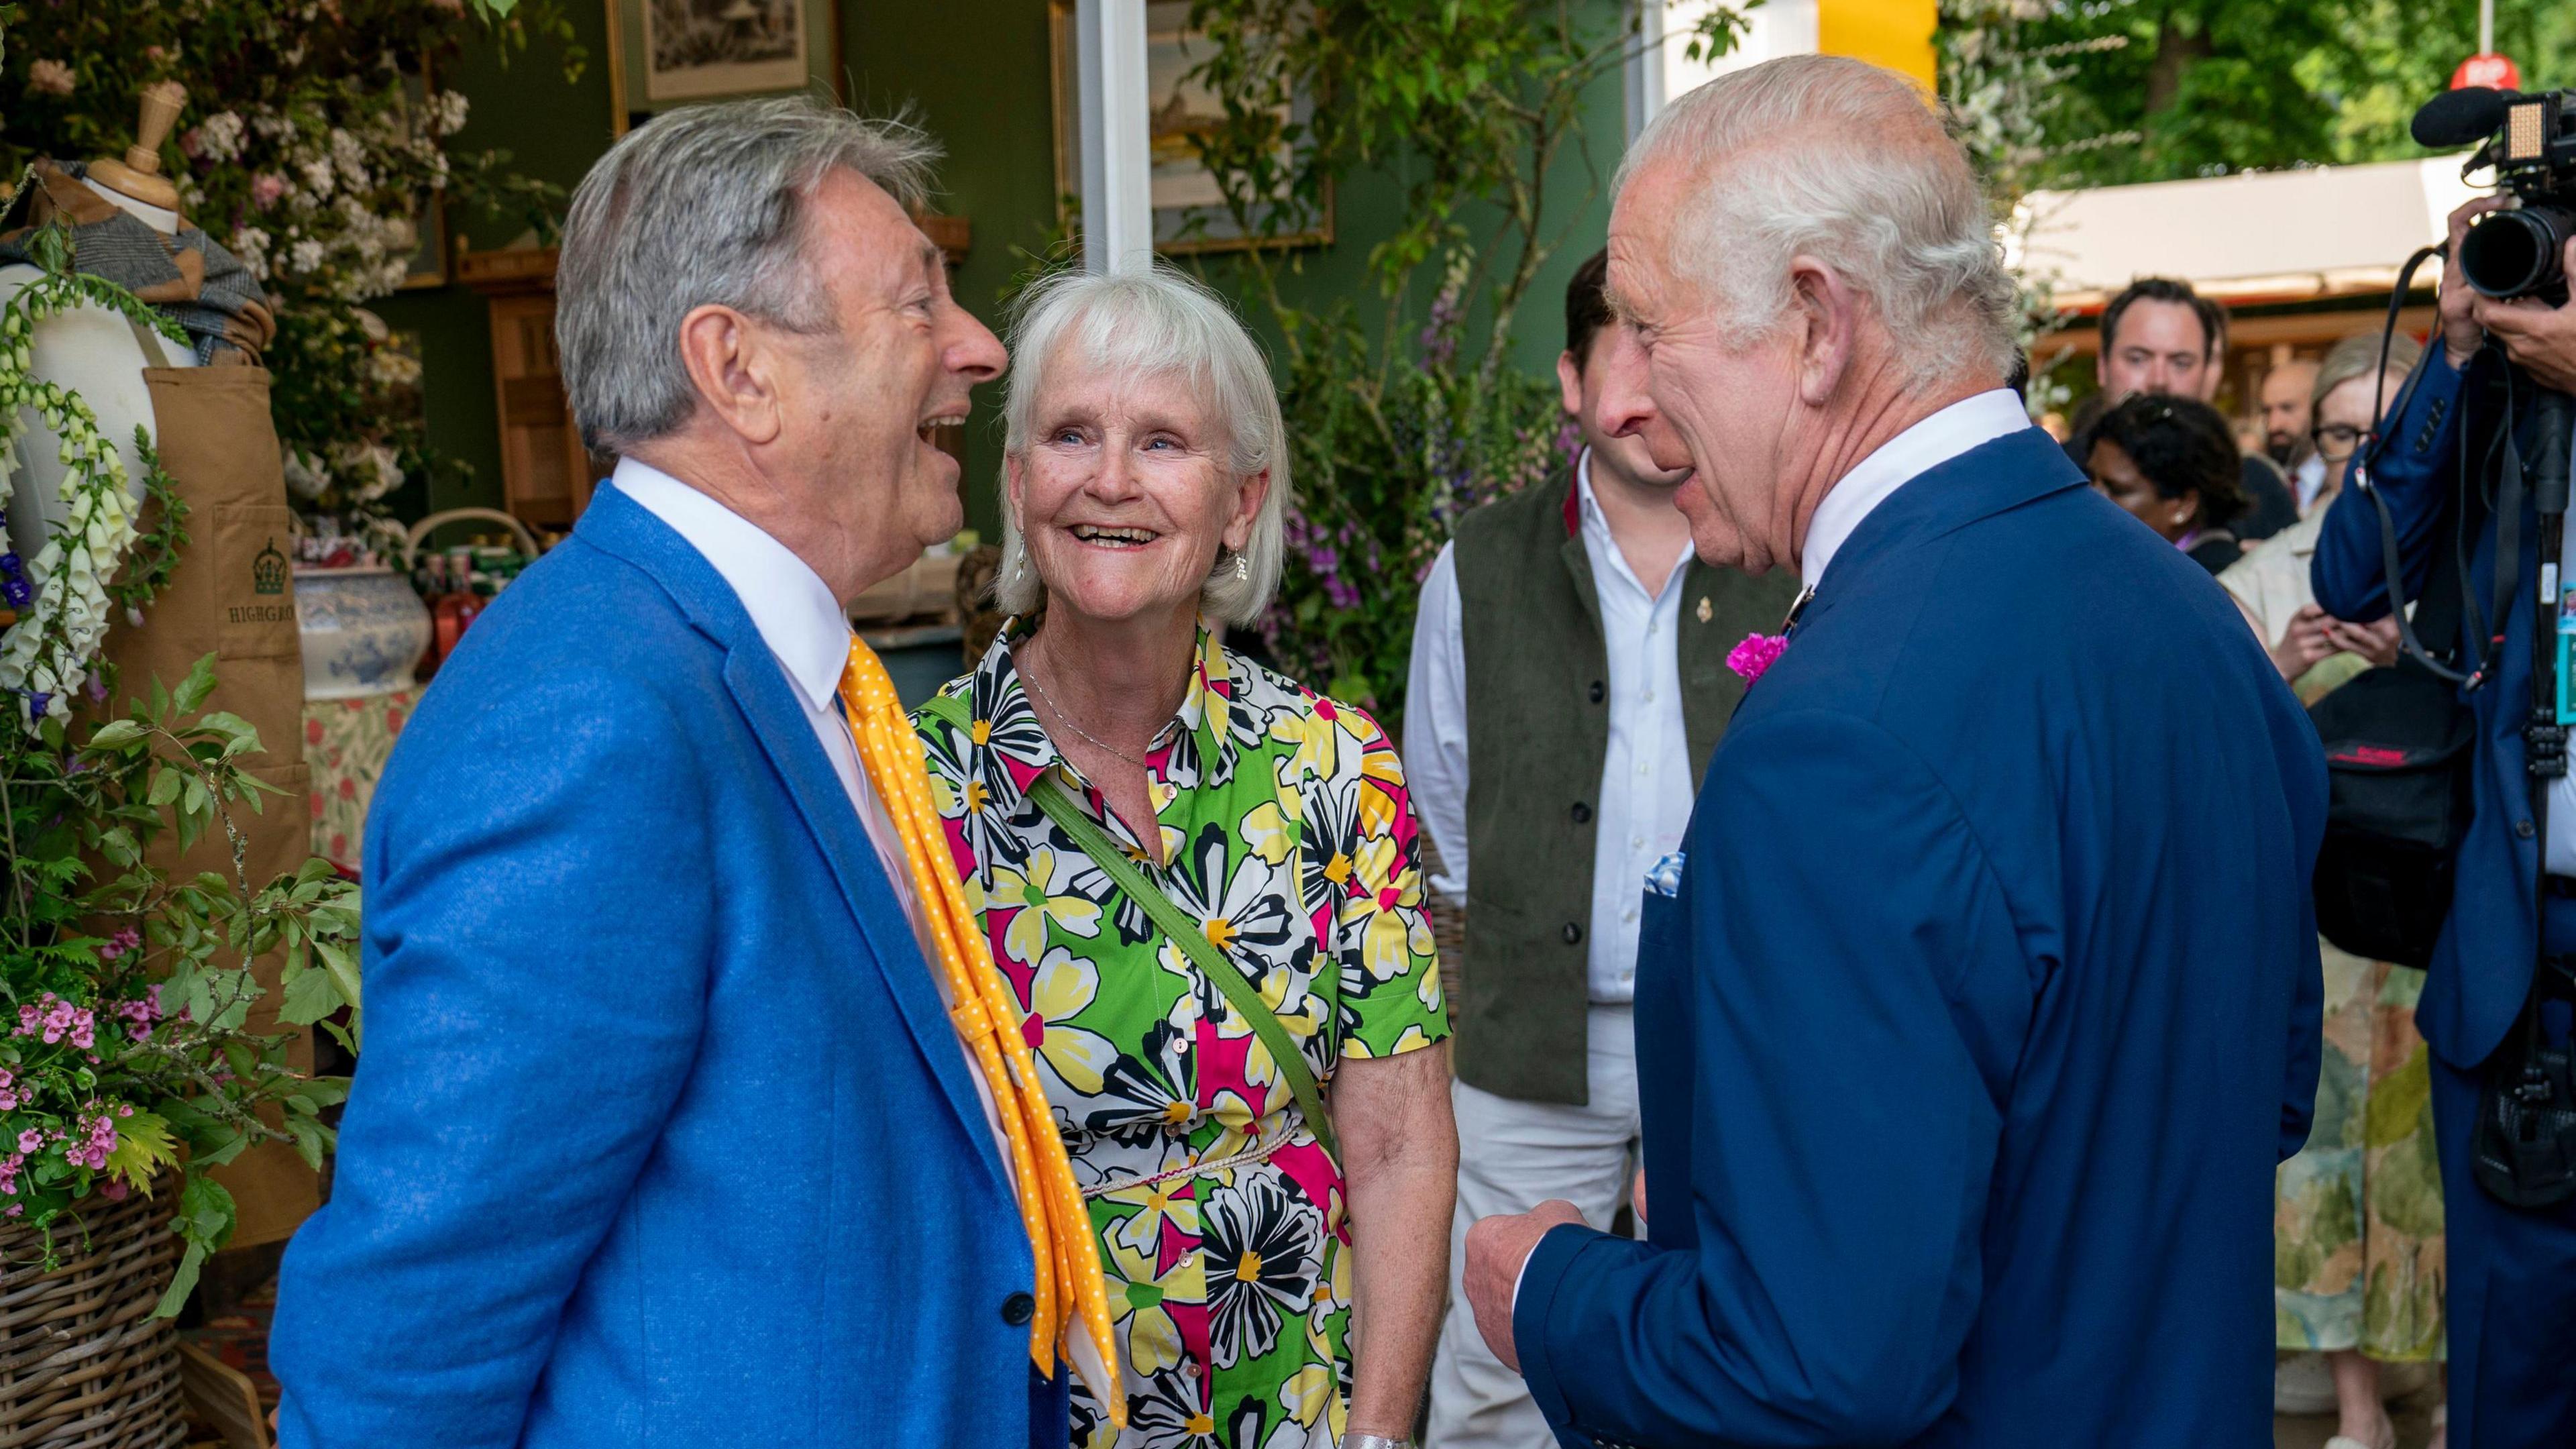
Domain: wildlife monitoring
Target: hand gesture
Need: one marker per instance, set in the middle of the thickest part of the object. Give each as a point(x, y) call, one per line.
point(2374, 642)
point(2304, 644)
point(2461, 332)
point(1497, 1249)
point(2540, 337)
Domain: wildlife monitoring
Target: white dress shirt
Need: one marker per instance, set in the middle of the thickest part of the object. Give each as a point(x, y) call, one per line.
point(1968, 423)
point(1645, 795)
point(2307, 481)
point(809, 636)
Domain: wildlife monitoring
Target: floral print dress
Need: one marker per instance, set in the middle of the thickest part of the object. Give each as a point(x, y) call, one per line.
point(2358, 1250)
point(1290, 837)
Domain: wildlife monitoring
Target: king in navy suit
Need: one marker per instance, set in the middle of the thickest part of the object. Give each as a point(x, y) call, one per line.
point(1983, 1000)
point(661, 1134)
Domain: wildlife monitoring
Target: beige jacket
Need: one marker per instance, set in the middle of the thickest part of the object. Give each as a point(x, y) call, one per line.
point(2270, 584)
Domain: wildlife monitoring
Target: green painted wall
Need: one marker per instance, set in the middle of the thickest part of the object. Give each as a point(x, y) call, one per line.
point(976, 73)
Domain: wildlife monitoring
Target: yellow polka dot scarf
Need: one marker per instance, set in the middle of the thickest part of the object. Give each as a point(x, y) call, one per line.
point(1068, 1284)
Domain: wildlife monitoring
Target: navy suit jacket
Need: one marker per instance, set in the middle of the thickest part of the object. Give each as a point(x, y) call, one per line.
point(1986, 1005)
point(660, 1134)
point(2482, 964)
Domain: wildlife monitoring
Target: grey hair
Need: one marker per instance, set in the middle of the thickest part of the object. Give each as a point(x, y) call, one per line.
point(1149, 324)
point(2358, 356)
point(702, 206)
point(1835, 159)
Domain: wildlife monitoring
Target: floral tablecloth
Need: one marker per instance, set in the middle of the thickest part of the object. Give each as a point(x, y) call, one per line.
point(345, 745)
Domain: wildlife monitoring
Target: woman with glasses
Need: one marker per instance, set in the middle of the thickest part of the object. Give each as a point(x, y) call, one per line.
point(2315, 653)
point(2357, 1215)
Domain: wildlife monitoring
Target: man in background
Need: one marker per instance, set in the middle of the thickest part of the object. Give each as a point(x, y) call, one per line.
point(1569, 681)
point(1965, 1059)
point(2159, 336)
point(2501, 989)
point(2287, 416)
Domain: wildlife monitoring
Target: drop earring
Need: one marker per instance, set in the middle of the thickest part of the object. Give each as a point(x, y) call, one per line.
point(1242, 570)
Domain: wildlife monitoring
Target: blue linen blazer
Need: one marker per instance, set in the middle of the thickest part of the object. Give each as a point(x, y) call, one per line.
point(2483, 960)
point(660, 1134)
point(1985, 1005)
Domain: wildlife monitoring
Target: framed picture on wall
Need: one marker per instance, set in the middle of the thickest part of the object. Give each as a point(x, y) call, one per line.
point(1189, 210)
point(428, 264)
point(671, 52)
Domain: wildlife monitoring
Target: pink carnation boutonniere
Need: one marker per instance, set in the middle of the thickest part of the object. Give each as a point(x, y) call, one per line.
point(1756, 655)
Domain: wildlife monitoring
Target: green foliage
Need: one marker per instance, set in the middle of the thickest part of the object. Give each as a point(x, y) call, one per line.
point(47, 652)
point(1387, 454)
point(129, 1059)
point(2213, 86)
point(1399, 423)
point(133, 1061)
point(314, 147)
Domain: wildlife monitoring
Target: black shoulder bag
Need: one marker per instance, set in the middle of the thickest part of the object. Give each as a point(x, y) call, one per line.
point(2400, 743)
point(2399, 748)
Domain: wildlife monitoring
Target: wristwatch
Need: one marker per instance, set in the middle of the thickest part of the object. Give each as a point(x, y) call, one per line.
point(1374, 1441)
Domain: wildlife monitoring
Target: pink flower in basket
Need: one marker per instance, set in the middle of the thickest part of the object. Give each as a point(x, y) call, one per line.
point(1756, 655)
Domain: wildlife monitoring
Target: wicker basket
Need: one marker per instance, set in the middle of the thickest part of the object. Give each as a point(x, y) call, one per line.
point(83, 1363)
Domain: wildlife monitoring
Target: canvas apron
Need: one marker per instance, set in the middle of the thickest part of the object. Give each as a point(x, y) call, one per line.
point(232, 594)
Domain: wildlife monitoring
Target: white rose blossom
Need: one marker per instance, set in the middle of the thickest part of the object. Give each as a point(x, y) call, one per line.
point(306, 474)
point(219, 136)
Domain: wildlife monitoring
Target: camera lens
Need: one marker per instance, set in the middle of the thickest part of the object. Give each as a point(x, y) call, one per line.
point(2516, 253)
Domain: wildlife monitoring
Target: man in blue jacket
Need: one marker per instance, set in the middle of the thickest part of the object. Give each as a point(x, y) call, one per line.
point(2511, 1302)
point(1983, 1000)
point(661, 1133)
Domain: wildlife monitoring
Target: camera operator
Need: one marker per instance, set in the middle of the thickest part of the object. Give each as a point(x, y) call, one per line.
point(2512, 1271)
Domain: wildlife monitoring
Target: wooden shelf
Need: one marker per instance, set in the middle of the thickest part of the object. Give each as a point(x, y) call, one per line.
point(546, 474)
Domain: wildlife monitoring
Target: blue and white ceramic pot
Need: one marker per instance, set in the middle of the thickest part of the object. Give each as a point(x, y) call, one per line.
point(363, 631)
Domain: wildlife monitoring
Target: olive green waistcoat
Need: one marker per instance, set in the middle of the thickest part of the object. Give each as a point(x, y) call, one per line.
point(1538, 728)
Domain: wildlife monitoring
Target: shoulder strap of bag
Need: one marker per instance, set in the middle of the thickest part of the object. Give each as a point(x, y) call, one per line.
point(1229, 977)
point(1186, 934)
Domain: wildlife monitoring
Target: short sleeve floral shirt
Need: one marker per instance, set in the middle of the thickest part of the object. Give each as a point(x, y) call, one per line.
point(1290, 837)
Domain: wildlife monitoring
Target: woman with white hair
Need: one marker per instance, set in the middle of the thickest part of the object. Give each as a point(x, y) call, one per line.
point(1202, 882)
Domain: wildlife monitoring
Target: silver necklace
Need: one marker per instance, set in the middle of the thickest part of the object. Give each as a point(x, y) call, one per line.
point(1057, 710)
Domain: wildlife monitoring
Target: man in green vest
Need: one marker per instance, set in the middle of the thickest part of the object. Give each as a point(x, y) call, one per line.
point(1569, 680)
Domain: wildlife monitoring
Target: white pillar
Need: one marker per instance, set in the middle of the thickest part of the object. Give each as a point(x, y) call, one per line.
point(1117, 155)
point(1645, 87)
point(1666, 71)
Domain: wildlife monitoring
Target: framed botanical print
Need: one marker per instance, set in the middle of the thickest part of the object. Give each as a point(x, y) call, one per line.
point(670, 52)
point(1189, 210)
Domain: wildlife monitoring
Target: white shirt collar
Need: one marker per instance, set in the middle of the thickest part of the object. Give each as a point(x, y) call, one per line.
point(788, 602)
point(1969, 423)
point(1596, 524)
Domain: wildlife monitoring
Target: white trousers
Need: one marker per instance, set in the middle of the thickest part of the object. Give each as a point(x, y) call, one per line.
point(1512, 1156)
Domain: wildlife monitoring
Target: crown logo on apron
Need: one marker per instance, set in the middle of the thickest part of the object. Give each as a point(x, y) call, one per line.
point(268, 571)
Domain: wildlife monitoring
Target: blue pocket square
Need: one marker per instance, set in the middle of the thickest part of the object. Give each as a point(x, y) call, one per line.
point(1666, 878)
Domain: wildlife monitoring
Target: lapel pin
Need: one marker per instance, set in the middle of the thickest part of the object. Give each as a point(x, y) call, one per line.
point(1706, 613)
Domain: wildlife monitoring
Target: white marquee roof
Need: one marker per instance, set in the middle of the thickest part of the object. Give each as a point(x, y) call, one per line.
point(2277, 236)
